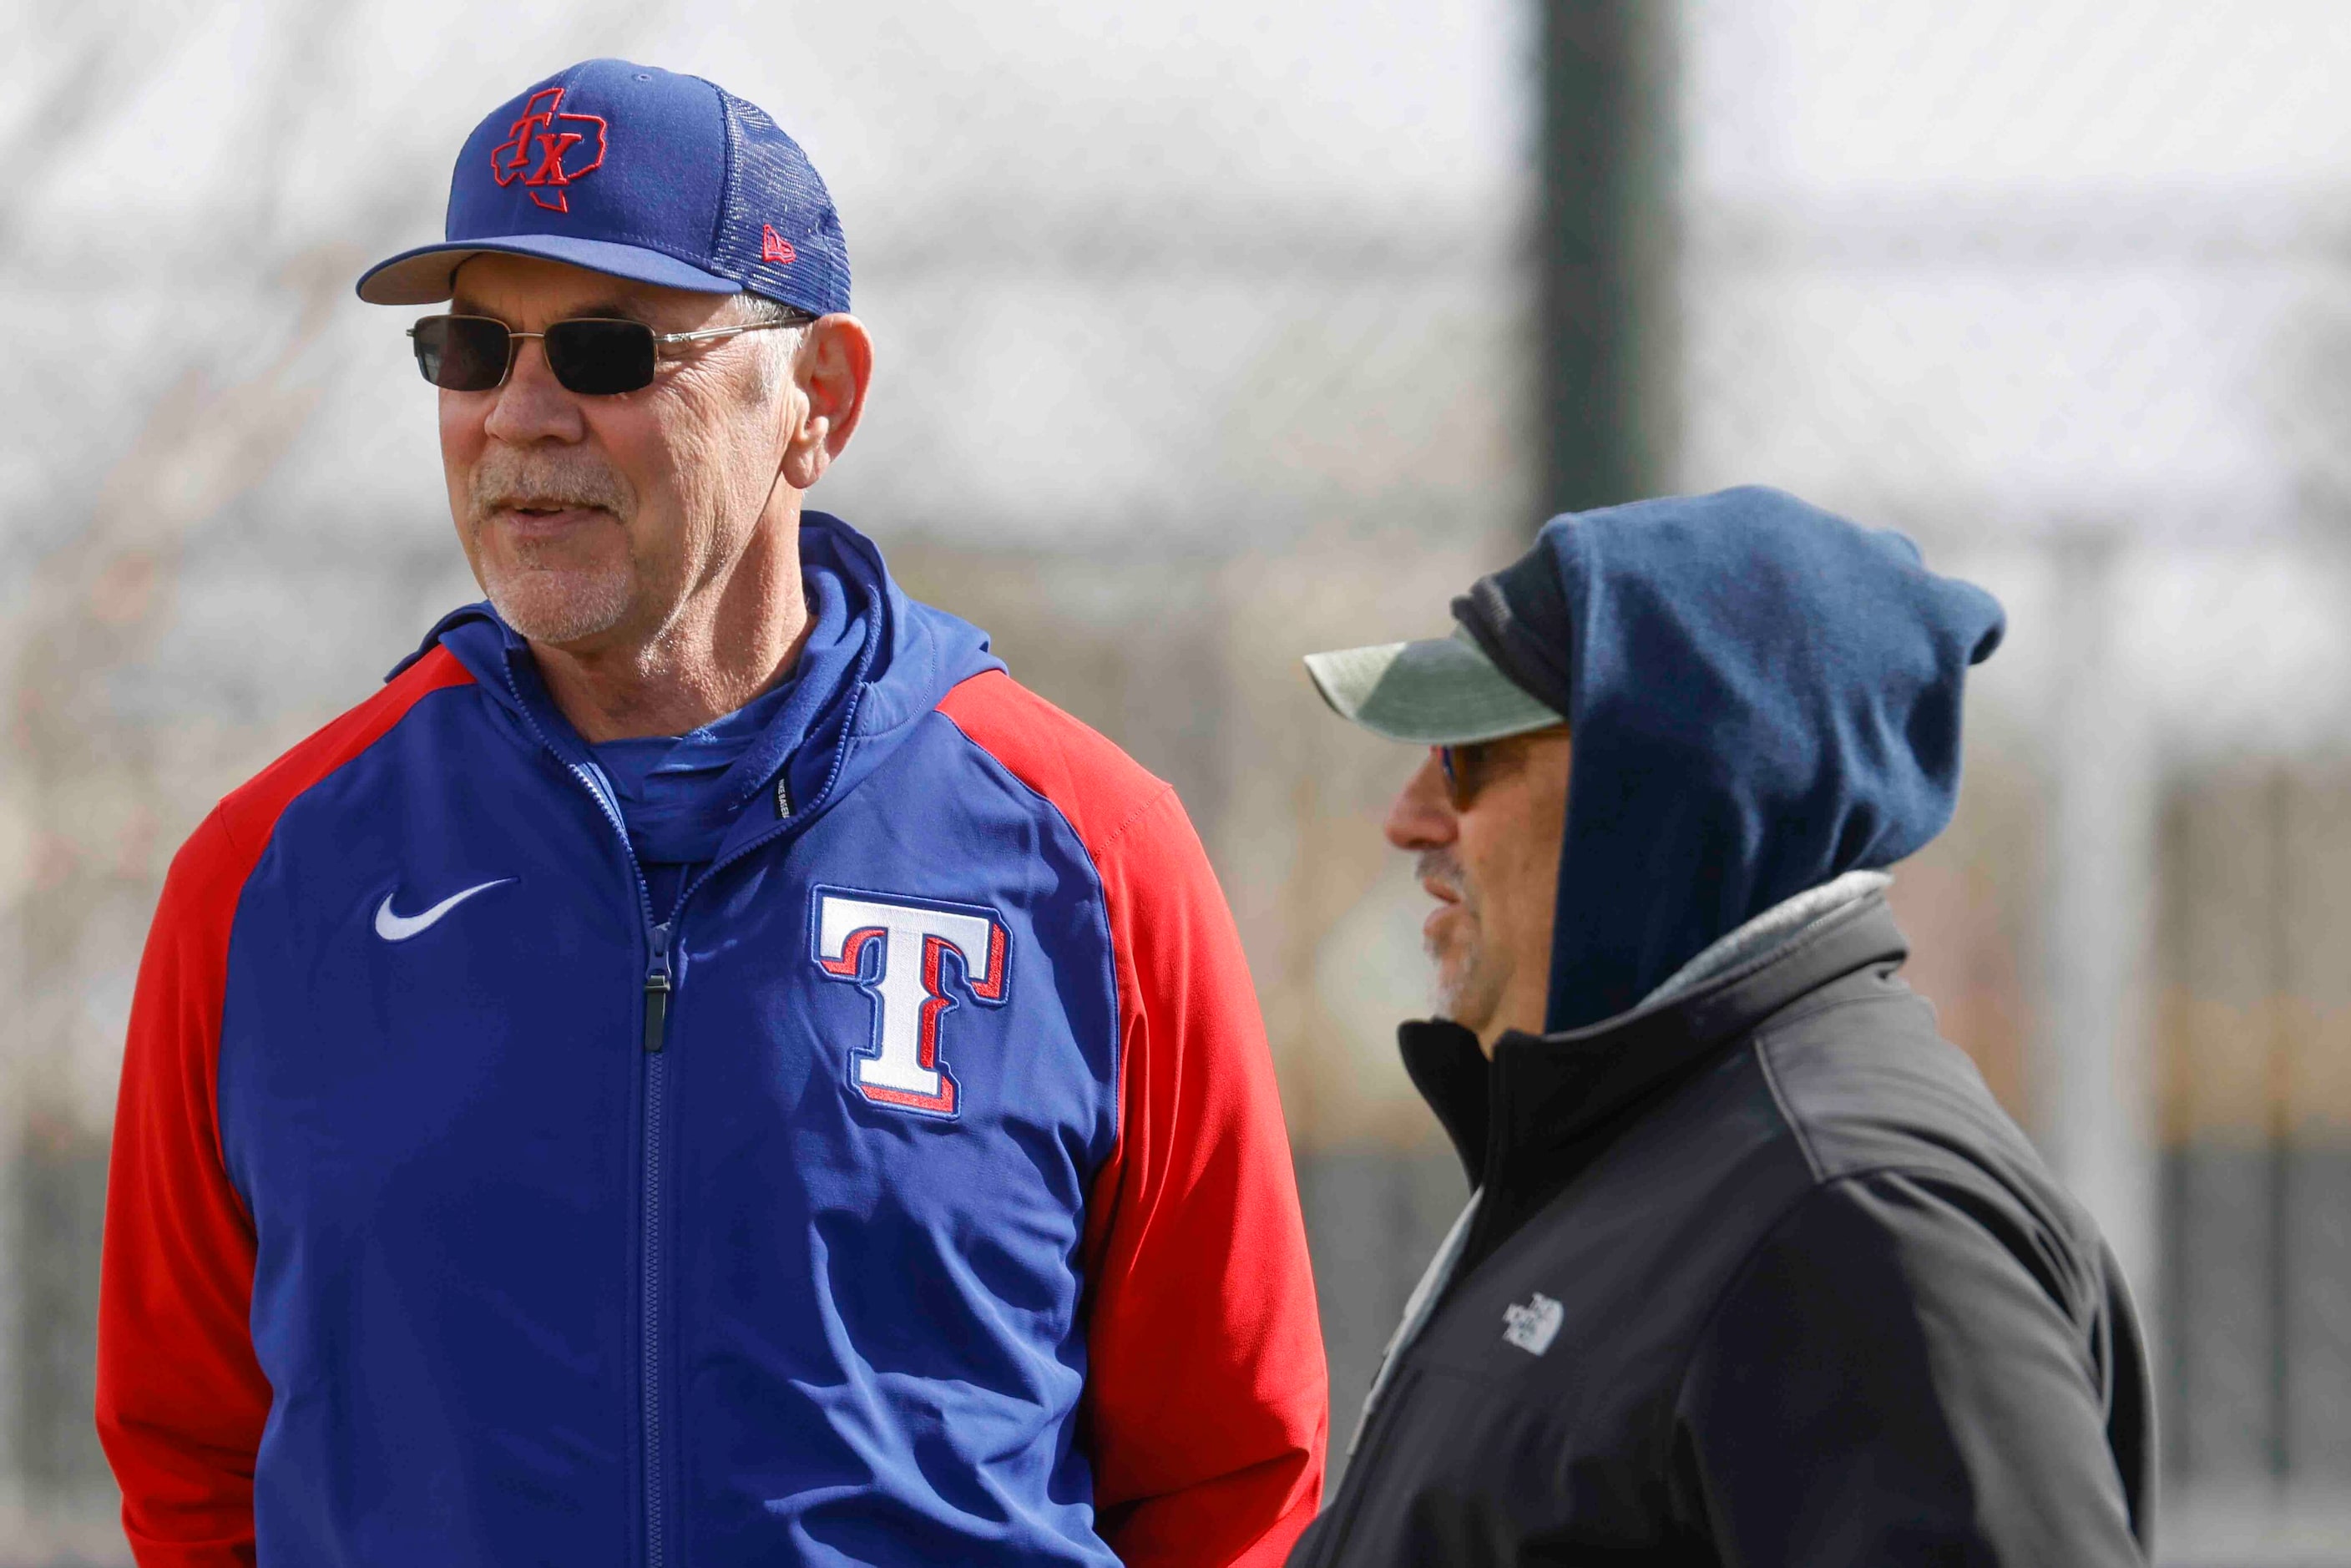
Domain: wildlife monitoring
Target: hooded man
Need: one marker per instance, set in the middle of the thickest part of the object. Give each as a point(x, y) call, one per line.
point(1755, 1272)
point(701, 1067)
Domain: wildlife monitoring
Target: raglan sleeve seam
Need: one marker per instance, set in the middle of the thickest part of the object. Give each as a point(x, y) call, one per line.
point(1825, 1190)
point(219, 818)
point(1950, 1202)
point(1797, 1128)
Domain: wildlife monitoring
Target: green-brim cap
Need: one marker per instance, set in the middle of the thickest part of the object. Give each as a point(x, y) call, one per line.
point(1442, 691)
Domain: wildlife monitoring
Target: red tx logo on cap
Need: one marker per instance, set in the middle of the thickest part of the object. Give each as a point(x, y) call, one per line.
point(537, 150)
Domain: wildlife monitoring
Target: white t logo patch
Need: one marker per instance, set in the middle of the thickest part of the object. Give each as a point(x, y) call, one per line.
point(895, 949)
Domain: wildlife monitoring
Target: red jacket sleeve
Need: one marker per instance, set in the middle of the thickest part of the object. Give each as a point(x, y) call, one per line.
point(1208, 1404)
point(180, 1400)
point(1208, 1395)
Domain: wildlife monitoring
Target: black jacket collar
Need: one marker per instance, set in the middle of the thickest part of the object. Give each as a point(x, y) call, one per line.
point(1542, 1094)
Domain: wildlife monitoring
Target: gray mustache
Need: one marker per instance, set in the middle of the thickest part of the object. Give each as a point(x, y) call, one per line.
point(515, 481)
point(1442, 867)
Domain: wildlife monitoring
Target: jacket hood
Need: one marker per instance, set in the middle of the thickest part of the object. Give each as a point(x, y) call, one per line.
point(1762, 697)
point(876, 662)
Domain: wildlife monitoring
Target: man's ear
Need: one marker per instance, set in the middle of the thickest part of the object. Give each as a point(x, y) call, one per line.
point(832, 369)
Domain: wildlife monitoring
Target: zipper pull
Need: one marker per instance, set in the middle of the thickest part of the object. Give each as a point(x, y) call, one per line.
point(657, 990)
point(783, 798)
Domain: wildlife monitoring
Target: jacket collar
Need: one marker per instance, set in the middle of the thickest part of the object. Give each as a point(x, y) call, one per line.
point(855, 696)
point(1543, 1093)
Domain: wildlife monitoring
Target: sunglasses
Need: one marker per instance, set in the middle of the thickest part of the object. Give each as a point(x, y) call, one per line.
point(1465, 767)
point(593, 356)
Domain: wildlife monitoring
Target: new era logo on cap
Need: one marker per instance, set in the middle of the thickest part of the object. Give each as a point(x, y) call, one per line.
point(641, 173)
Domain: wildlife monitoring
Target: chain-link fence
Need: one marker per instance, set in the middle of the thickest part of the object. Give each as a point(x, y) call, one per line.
point(1209, 336)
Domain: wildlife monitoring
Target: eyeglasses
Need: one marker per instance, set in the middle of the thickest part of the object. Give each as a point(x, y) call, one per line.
point(592, 356)
point(1466, 768)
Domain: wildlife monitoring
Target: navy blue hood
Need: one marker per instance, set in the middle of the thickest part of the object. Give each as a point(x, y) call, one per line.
point(1762, 696)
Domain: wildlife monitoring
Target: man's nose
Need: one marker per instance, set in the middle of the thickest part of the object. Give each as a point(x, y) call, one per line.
point(1422, 817)
point(531, 405)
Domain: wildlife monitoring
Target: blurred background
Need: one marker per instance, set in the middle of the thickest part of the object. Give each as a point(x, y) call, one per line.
point(1214, 333)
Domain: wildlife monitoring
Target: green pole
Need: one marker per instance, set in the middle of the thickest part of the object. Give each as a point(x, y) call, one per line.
point(1603, 262)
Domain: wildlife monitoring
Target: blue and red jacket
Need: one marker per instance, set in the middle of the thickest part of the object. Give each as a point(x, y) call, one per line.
point(915, 1191)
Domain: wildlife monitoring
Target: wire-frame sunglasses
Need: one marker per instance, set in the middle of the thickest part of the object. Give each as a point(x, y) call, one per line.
point(594, 356)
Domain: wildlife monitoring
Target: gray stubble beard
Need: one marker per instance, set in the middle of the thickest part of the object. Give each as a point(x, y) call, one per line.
point(1447, 996)
point(549, 603)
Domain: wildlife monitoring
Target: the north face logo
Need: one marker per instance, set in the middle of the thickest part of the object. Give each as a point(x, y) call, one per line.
point(547, 149)
point(1533, 1326)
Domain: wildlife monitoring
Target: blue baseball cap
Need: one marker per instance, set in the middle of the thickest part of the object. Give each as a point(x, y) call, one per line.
point(641, 174)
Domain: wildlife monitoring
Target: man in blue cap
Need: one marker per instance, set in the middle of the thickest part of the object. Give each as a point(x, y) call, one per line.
point(701, 1067)
point(1754, 1271)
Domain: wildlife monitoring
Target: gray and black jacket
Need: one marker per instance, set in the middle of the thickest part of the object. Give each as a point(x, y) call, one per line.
point(1756, 1273)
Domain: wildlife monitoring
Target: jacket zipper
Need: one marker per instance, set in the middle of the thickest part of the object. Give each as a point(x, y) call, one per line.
point(661, 986)
point(653, 1238)
point(657, 990)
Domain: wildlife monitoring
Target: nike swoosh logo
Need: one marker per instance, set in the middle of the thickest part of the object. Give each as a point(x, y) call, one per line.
point(400, 927)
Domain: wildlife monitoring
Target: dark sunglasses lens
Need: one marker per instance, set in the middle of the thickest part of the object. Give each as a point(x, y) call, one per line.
point(462, 353)
point(598, 358)
point(1460, 764)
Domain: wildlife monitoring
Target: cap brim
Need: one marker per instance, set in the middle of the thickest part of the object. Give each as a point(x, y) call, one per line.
point(1441, 692)
point(426, 274)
